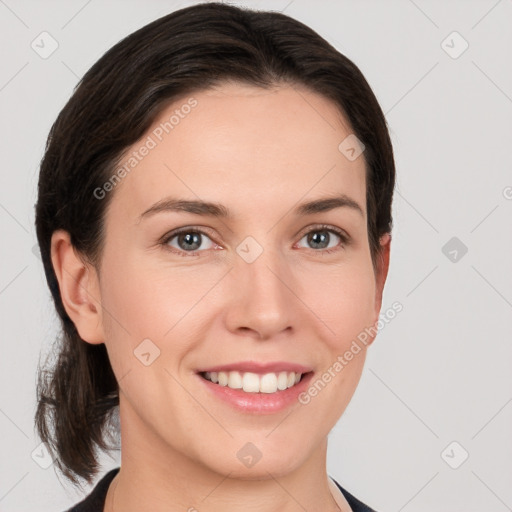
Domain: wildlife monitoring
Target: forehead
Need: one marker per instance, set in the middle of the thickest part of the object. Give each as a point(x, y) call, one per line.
point(248, 147)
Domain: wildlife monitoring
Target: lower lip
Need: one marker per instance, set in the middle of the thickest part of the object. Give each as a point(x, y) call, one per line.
point(260, 403)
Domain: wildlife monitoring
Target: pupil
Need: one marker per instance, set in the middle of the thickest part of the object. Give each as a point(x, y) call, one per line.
point(323, 237)
point(191, 239)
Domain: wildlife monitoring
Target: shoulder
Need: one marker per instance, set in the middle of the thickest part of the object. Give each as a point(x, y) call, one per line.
point(95, 501)
point(355, 504)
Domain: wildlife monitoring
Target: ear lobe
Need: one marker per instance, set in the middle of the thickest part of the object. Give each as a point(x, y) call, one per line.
point(79, 288)
point(381, 271)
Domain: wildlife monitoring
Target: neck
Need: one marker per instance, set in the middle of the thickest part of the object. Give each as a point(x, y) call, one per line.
point(158, 478)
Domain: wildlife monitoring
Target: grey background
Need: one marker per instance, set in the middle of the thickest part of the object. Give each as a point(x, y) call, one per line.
point(437, 373)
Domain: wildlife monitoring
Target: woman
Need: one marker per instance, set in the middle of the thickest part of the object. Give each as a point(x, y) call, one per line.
point(214, 218)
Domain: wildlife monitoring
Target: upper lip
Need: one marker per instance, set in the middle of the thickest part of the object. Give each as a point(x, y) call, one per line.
point(256, 367)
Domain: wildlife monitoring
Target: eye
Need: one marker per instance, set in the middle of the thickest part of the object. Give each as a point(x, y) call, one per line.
point(320, 238)
point(188, 240)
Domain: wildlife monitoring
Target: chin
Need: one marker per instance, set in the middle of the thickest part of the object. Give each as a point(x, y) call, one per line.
point(250, 463)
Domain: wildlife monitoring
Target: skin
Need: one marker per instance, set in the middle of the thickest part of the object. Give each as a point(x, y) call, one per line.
point(259, 153)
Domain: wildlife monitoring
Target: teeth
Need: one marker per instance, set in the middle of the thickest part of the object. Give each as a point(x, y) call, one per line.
point(223, 379)
point(235, 380)
point(282, 380)
point(254, 383)
point(251, 382)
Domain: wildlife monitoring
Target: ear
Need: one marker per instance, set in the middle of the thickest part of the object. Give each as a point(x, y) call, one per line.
point(79, 288)
point(381, 271)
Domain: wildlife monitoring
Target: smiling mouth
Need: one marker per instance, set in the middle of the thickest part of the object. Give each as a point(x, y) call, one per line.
point(272, 382)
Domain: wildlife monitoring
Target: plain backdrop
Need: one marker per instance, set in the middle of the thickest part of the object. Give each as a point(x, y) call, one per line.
point(429, 428)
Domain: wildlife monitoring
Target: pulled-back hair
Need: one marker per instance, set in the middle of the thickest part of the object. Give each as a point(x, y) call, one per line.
point(112, 107)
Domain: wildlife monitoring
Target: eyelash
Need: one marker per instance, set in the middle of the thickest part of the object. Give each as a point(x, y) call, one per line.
point(345, 239)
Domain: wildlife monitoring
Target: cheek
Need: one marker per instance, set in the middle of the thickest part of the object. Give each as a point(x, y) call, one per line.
point(343, 297)
point(166, 305)
point(130, 316)
point(145, 301)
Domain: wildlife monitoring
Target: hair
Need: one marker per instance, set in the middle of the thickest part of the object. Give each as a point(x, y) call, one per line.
point(112, 107)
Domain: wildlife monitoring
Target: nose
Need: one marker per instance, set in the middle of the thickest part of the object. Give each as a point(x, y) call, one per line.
point(264, 302)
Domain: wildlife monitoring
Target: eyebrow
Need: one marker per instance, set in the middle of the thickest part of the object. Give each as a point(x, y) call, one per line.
point(171, 204)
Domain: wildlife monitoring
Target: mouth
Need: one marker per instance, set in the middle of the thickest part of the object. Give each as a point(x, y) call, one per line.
point(250, 382)
point(256, 387)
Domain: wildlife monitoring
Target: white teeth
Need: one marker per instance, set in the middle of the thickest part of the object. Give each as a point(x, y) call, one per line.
point(235, 380)
point(282, 380)
point(223, 379)
point(268, 383)
point(253, 382)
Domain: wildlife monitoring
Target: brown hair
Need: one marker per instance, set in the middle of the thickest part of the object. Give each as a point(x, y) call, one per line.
point(111, 108)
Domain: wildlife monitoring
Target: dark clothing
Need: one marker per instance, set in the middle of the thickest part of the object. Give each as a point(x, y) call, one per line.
point(95, 501)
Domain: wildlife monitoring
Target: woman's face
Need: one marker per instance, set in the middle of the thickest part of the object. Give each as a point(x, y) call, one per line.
point(265, 284)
